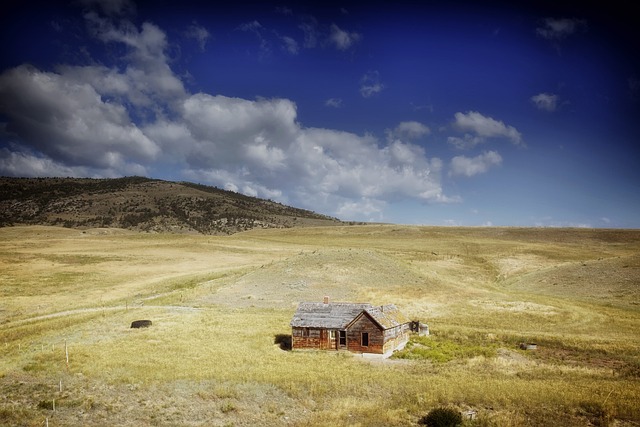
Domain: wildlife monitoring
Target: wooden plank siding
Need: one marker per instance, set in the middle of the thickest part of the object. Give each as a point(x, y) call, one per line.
point(366, 328)
point(365, 324)
point(312, 338)
point(396, 338)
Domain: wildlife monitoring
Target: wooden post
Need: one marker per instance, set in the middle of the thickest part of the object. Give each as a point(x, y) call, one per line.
point(54, 405)
point(66, 352)
point(46, 421)
point(60, 386)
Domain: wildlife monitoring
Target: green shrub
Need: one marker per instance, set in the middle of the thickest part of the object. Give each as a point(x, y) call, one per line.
point(442, 417)
point(442, 350)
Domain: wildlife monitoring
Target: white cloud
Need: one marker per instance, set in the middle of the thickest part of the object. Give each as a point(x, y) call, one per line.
point(226, 123)
point(370, 84)
point(545, 101)
point(343, 40)
point(470, 166)
point(147, 71)
point(23, 164)
point(557, 29)
point(408, 130)
point(466, 142)
point(69, 122)
point(137, 116)
point(485, 127)
point(247, 142)
point(266, 156)
point(20, 163)
point(333, 102)
point(357, 209)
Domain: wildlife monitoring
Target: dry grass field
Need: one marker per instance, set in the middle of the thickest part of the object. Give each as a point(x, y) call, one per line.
point(219, 305)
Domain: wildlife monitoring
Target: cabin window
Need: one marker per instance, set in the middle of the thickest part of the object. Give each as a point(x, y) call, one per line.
point(365, 339)
point(332, 334)
point(343, 338)
point(305, 332)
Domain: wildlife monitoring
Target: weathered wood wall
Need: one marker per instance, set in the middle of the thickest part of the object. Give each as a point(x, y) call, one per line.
point(354, 336)
point(311, 338)
point(380, 341)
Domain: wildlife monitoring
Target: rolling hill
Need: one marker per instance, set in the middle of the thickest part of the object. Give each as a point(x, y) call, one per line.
point(143, 204)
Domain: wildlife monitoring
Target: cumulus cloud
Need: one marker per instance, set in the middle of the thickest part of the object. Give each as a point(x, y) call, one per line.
point(370, 84)
point(136, 115)
point(147, 71)
point(470, 166)
point(557, 29)
point(484, 127)
point(339, 172)
point(68, 121)
point(24, 164)
point(343, 40)
point(370, 209)
point(545, 101)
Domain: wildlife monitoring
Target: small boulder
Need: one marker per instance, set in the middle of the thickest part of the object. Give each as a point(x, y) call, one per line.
point(140, 324)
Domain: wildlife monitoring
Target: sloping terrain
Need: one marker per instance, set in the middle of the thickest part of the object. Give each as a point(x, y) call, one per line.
point(143, 204)
point(221, 307)
point(614, 281)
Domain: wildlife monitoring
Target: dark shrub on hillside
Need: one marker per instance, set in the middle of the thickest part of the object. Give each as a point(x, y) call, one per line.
point(441, 417)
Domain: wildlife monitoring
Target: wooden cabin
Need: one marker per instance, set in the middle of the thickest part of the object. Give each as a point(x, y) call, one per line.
point(356, 327)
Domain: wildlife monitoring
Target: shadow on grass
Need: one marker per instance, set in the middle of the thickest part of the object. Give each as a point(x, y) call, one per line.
point(283, 340)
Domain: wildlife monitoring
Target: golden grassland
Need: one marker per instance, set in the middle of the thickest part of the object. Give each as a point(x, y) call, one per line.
point(221, 305)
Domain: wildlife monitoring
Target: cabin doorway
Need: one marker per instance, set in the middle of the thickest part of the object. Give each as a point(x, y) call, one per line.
point(343, 339)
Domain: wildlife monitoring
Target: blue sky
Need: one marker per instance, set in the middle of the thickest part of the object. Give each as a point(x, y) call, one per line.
point(437, 113)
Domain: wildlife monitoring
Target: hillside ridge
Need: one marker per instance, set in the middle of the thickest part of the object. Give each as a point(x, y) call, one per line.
point(143, 204)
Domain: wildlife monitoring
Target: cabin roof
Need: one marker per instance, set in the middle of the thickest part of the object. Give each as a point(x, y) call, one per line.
point(388, 316)
point(338, 315)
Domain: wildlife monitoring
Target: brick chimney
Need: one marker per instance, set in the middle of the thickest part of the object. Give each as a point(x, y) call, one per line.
point(326, 299)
